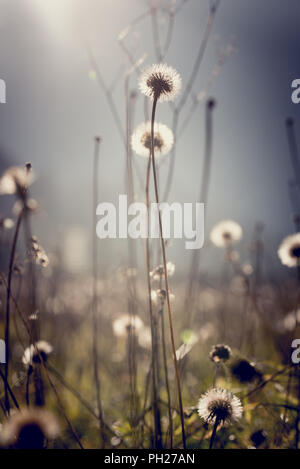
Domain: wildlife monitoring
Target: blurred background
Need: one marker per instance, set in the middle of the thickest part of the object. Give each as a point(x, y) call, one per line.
point(55, 107)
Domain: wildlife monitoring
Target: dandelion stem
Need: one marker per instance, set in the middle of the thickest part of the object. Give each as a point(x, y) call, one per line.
point(29, 371)
point(293, 148)
point(7, 324)
point(10, 391)
point(203, 197)
point(95, 293)
point(157, 427)
point(163, 335)
point(166, 273)
point(213, 435)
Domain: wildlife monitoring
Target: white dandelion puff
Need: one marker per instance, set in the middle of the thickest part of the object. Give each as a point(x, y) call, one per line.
point(225, 233)
point(123, 324)
point(161, 82)
point(289, 250)
point(141, 139)
point(15, 179)
point(158, 272)
point(29, 428)
point(219, 404)
point(7, 223)
point(36, 352)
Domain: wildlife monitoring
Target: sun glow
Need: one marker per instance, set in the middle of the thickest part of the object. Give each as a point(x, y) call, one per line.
point(55, 13)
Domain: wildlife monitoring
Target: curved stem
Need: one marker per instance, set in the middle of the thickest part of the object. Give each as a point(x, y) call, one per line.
point(166, 274)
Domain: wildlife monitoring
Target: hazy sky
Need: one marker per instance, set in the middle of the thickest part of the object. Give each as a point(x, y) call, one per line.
point(54, 108)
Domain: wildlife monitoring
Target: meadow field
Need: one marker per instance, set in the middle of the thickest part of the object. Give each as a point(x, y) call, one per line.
point(142, 343)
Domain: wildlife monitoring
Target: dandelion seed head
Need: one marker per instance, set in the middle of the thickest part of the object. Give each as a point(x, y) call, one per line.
point(219, 404)
point(15, 179)
point(158, 272)
point(126, 323)
point(7, 223)
point(28, 429)
point(160, 81)
point(225, 233)
point(289, 250)
point(36, 352)
point(220, 353)
point(141, 139)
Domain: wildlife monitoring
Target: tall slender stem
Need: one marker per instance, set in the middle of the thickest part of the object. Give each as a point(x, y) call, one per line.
point(95, 293)
point(156, 414)
point(166, 273)
point(163, 335)
point(7, 323)
point(203, 197)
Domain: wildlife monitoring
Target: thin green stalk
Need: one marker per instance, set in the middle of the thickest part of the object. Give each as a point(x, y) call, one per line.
point(213, 435)
point(166, 274)
point(95, 293)
point(163, 335)
point(156, 415)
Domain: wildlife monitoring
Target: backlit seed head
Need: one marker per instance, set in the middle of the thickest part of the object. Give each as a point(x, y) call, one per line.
point(219, 404)
point(36, 353)
point(15, 180)
point(289, 250)
point(127, 323)
point(28, 429)
point(141, 139)
point(225, 233)
point(160, 81)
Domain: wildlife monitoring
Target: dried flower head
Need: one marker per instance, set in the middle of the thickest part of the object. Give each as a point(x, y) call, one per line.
point(126, 323)
point(141, 139)
point(158, 272)
point(161, 82)
point(15, 180)
point(219, 404)
point(225, 233)
point(29, 429)
point(289, 250)
point(38, 253)
point(36, 352)
point(220, 353)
